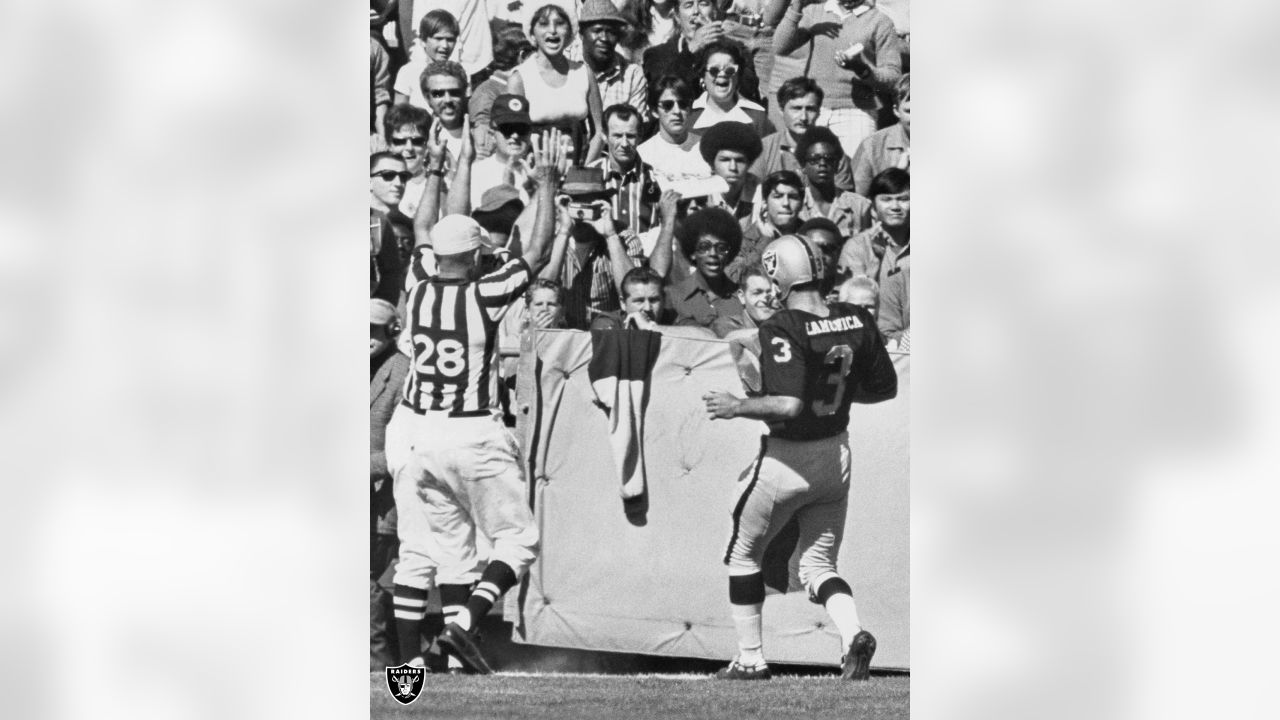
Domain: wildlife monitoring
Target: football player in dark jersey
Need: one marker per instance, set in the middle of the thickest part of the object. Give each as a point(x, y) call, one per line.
point(817, 359)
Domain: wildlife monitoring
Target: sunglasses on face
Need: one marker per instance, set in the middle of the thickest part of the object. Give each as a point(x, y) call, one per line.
point(669, 105)
point(723, 71)
point(817, 160)
point(508, 130)
point(450, 92)
point(416, 141)
point(709, 247)
point(392, 175)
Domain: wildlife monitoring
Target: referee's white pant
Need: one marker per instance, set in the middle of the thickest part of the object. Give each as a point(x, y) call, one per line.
point(452, 476)
point(808, 480)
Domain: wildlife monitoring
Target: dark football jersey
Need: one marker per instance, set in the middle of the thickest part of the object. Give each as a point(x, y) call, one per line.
point(828, 363)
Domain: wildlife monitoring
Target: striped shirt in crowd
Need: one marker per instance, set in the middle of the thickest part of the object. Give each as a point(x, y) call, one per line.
point(589, 282)
point(453, 326)
point(635, 204)
point(624, 84)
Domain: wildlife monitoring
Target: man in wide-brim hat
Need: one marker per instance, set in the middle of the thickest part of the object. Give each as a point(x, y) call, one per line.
point(589, 256)
point(602, 26)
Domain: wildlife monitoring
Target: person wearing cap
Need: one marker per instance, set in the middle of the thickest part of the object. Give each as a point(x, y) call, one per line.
point(730, 148)
point(589, 257)
point(508, 129)
point(497, 211)
point(457, 468)
point(387, 370)
point(601, 25)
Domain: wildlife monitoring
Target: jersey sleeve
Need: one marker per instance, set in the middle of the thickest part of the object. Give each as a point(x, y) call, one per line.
point(782, 361)
point(500, 288)
point(876, 378)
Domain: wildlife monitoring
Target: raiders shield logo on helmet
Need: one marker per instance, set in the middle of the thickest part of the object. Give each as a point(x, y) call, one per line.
point(770, 262)
point(405, 682)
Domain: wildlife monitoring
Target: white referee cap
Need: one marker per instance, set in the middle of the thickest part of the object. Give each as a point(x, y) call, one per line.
point(455, 234)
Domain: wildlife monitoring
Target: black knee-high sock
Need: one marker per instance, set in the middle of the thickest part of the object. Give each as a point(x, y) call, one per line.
point(498, 578)
point(453, 600)
point(410, 608)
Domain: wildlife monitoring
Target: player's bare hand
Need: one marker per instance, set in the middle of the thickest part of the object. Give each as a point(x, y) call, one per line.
point(722, 405)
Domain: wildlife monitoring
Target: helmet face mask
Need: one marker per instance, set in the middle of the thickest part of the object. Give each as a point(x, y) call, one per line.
point(789, 261)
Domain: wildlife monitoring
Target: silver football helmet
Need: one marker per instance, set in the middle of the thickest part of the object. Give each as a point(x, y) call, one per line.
point(789, 261)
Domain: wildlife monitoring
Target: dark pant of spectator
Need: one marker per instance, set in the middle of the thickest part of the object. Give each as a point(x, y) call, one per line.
point(382, 628)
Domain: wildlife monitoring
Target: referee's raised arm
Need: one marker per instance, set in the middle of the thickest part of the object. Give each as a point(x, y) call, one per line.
point(548, 156)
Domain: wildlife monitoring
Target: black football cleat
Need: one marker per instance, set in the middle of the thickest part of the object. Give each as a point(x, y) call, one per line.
point(461, 644)
point(856, 664)
point(738, 671)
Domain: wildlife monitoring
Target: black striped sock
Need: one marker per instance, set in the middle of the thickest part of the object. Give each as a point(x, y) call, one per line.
point(410, 605)
point(498, 578)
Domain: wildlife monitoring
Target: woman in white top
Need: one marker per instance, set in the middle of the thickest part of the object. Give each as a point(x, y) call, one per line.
point(561, 93)
point(722, 67)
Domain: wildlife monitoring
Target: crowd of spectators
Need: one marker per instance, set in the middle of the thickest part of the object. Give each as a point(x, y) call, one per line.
point(695, 131)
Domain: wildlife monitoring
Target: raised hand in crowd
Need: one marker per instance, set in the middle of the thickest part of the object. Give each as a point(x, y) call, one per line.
point(707, 34)
point(547, 156)
point(668, 210)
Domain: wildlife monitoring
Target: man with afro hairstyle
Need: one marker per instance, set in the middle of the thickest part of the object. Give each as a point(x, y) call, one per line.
point(711, 239)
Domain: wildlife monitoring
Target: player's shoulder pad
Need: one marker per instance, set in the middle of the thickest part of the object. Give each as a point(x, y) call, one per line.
point(784, 321)
point(863, 314)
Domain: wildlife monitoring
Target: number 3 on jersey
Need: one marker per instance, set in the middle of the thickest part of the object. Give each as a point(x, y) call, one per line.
point(840, 359)
point(446, 357)
point(783, 349)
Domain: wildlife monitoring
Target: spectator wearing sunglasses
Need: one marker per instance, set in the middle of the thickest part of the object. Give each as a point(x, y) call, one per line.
point(407, 128)
point(390, 232)
point(820, 152)
point(711, 238)
point(673, 152)
point(698, 25)
point(800, 100)
point(437, 37)
point(721, 71)
point(509, 132)
point(445, 86)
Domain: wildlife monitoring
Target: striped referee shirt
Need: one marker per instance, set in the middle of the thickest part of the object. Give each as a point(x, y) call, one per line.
point(453, 326)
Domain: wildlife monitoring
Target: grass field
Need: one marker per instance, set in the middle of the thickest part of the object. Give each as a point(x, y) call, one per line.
point(547, 696)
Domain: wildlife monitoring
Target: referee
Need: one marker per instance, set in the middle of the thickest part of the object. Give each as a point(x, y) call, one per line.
point(456, 466)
